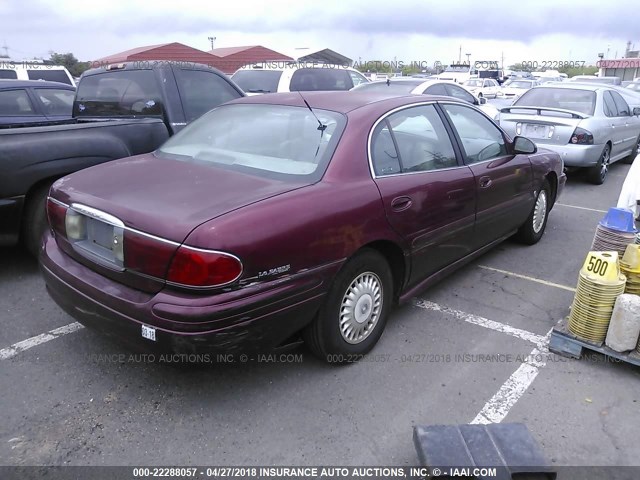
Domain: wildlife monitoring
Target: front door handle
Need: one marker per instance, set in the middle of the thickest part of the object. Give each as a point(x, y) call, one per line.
point(399, 204)
point(485, 182)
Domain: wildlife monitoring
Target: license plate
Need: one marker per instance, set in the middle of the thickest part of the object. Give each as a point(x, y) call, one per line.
point(149, 333)
point(536, 131)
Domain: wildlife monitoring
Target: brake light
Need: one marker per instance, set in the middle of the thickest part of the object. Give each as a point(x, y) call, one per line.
point(581, 137)
point(146, 254)
point(195, 267)
point(56, 215)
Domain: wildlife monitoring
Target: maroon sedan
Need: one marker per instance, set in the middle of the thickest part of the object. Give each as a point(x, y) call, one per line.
point(277, 215)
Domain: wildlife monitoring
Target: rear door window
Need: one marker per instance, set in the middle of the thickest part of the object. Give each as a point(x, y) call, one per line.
point(15, 103)
point(320, 79)
point(201, 91)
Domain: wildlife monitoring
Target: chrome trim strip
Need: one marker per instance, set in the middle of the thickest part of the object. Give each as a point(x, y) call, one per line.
point(97, 214)
point(58, 202)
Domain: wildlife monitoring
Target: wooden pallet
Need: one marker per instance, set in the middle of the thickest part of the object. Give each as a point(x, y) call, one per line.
point(564, 343)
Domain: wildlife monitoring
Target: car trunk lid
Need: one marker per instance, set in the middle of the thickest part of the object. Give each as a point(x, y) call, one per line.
point(553, 126)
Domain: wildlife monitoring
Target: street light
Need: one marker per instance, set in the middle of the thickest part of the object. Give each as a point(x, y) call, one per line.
point(212, 39)
point(468, 61)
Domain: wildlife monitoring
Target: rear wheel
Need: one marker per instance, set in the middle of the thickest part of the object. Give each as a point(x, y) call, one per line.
point(532, 230)
point(634, 152)
point(35, 219)
point(355, 312)
point(598, 174)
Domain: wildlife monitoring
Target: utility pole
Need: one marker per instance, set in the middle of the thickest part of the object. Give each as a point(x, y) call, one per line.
point(460, 55)
point(212, 39)
point(502, 61)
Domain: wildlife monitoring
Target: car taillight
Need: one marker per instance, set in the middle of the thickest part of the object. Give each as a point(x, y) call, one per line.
point(146, 254)
point(56, 214)
point(195, 267)
point(581, 137)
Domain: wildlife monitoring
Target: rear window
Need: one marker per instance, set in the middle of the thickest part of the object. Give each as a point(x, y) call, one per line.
point(274, 141)
point(391, 87)
point(55, 101)
point(8, 74)
point(320, 79)
point(50, 75)
point(257, 81)
point(582, 101)
point(518, 84)
point(120, 93)
point(203, 90)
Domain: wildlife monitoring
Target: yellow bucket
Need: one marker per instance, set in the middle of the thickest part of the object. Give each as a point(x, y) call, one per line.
point(601, 267)
point(630, 261)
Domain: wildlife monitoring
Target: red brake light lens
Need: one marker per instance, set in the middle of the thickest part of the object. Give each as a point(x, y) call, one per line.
point(56, 214)
point(146, 254)
point(581, 137)
point(203, 268)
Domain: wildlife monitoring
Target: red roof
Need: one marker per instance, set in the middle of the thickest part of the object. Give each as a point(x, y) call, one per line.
point(166, 51)
point(231, 59)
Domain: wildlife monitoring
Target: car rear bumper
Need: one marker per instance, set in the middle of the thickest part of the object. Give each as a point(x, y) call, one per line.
point(10, 219)
point(254, 318)
point(575, 155)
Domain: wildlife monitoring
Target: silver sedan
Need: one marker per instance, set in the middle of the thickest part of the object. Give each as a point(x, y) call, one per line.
point(589, 125)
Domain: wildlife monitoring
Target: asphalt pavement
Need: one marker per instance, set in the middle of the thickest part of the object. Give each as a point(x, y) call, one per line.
point(471, 349)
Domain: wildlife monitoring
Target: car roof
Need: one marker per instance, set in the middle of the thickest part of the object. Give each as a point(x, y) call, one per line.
point(593, 86)
point(341, 101)
point(34, 83)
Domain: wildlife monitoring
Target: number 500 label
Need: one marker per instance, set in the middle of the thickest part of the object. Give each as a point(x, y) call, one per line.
point(597, 266)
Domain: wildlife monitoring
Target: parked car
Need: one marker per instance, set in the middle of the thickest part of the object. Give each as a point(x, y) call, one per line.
point(634, 86)
point(417, 86)
point(483, 87)
point(266, 217)
point(33, 102)
point(11, 70)
point(514, 87)
point(596, 79)
point(277, 77)
point(120, 110)
point(589, 125)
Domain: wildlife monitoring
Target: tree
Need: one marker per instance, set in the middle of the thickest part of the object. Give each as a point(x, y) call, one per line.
point(68, 60)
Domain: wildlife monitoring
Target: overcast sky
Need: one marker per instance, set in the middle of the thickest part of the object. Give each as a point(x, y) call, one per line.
point(407, 30)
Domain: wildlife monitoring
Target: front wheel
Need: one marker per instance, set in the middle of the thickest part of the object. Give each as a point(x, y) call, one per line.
point(355, 312)
point(532, 230)
point(598, 174)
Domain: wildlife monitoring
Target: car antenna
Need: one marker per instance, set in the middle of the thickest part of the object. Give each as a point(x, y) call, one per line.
point(321, 126)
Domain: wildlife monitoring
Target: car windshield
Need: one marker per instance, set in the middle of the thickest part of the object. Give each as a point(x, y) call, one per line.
point(257, 81)
point(474, 83)
point(582, 101)
point(402, 86)
point(275, 141)
point(518, 84)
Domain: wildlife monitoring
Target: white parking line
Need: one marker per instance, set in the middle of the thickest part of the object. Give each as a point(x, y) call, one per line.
point(16, 348)
point(497, 408)
point(526, 277)
point(581, 208)
point(481, 321)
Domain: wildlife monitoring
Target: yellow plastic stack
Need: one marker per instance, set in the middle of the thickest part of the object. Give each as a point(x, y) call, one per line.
point(599, 284)
point(630, 266)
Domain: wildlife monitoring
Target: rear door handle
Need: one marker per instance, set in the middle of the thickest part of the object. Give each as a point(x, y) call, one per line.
point(485, 182)
point(399, 204)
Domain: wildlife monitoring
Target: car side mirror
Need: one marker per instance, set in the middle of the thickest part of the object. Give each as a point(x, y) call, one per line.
point(482, 100)
point(524, 145)
point(636, 111)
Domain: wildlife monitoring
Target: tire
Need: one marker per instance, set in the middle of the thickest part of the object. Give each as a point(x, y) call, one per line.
point(532, 230)
point(34, 221)
point(634, 153)
point(367, 276)
point(598, 174)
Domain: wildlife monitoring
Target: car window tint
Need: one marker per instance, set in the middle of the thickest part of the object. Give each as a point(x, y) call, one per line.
point(384, 156)
point(8, 74)
point(357, 78)
point(201, 91)
point(15, 103)
point(460, 93)
point(437, 89)
point(50, 75)
point(609, 105)
point(316, 79)
point(423, 143)
point(481, 139)
point(55, 101)
point(621, 105)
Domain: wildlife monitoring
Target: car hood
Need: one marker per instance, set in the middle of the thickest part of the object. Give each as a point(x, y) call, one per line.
point(165, 197)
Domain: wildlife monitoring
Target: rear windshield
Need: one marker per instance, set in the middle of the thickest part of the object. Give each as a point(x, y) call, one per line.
point(518, 84)
point(119, 93)
point(316, 79)
point(582, 101)
point(8, 74)
point(257, 81)
point(274, 141)
point(405, 86)
point(50, 75)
